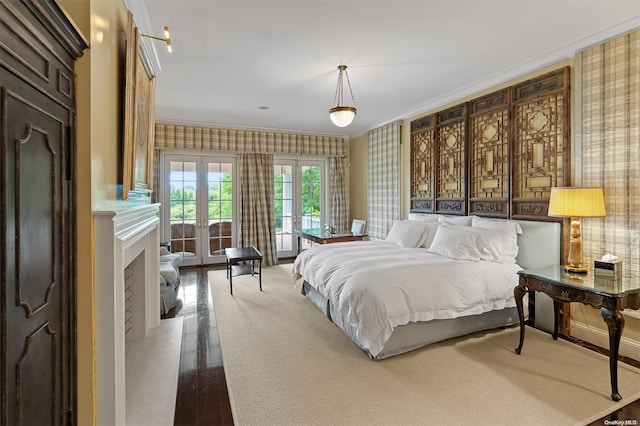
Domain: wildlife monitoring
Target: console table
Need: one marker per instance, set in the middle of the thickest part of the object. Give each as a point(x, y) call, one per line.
point(319, 236)
point(612, 295)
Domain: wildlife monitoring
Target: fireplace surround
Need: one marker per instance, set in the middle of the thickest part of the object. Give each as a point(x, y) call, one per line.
point(122, 238)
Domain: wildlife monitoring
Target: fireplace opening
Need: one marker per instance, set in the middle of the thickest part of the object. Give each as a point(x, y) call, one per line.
point(134, 284)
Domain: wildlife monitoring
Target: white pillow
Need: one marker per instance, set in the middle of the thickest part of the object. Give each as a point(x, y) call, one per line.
point(423, 217)
point(407, 233)
point(466, 243)
point(510, 231)
point(429, 233)
point(455, 220)
point(498, 224)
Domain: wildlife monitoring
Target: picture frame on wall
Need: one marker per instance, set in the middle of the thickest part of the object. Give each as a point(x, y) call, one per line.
point(138, 129)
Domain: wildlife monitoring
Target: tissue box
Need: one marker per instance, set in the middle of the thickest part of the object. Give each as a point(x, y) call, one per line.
point(608, 270)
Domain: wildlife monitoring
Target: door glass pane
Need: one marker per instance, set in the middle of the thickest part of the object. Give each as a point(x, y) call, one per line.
point(220, 207)
point(311, 193)
point(283, 205)
point(182, 194)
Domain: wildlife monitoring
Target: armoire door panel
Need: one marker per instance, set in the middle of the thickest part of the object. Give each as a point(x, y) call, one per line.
point(36, 280)
point(36, 387)
point(38, 212)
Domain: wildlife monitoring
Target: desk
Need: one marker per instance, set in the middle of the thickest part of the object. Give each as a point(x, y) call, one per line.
point(612, 295)
point(319, 236)
point(243, 254)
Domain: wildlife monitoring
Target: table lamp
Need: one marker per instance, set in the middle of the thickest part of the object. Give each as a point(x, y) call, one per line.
point(576, 203)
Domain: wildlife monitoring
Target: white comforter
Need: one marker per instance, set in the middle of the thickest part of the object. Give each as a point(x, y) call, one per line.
point(377, 286)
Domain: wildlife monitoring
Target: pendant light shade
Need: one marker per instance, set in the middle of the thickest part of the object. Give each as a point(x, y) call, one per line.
point(342, 115)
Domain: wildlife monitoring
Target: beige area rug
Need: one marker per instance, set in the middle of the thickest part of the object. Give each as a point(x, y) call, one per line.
point(287, 364)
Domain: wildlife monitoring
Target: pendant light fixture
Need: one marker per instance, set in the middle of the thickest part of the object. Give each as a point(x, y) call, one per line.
point(342, 115)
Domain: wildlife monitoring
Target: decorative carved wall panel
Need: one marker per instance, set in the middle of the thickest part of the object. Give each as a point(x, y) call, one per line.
point(422, 164)
point(496, 156)
point(489, 155)
point(451, 168)
point(540, 143)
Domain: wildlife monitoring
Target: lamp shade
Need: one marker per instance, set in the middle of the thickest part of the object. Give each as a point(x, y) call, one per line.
point(576, 202)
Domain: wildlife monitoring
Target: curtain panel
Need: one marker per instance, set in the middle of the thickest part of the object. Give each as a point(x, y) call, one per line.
point(257, 217)
point(610, 147)
point(169, 136)
point(384, 180)
point(338, 191)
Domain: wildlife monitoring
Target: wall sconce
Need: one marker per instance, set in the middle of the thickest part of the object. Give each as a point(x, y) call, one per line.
point(575, 203)
point(342, 115)
point(166, 38)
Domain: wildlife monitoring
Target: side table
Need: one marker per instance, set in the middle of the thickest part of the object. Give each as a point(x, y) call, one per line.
point(243, 254)
point(612, 295)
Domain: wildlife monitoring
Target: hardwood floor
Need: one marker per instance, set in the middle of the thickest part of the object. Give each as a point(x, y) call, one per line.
point(202, 397)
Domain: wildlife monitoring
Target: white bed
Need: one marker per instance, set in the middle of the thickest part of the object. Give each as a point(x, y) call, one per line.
point(386, 299)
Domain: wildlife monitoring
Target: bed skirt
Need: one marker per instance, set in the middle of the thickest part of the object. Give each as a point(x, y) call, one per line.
point(415, 335)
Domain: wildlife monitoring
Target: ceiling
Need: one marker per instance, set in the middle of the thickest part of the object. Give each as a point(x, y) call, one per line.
point(233, 58)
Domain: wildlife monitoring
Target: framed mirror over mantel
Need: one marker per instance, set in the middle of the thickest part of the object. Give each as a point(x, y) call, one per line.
point(497, 155)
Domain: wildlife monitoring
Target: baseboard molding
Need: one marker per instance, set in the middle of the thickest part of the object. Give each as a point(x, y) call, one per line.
point(628, 348)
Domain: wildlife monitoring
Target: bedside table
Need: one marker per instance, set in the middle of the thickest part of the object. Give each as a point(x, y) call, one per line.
point(612, 295)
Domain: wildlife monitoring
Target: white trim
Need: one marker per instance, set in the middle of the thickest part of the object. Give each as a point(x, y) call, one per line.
point(141, 17)
point(599, 337)
point(121, 236)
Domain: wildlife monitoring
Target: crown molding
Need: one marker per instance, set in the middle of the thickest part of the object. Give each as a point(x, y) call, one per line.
point(559, 54)
point(141, 17)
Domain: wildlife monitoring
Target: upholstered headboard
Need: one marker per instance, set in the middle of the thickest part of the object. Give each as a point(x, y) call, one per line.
point(539, 245)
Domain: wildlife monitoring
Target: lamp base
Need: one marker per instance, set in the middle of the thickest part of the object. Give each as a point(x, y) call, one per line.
point(574, 261)
point(575, 269)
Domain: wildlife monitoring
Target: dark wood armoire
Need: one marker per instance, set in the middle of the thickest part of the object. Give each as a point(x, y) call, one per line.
point(38, 47)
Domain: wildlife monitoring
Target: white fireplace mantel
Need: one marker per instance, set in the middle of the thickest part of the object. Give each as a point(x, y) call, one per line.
point(120, 237)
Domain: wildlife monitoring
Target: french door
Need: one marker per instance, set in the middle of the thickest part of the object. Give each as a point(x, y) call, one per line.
point(299, 200)
point(198, 207)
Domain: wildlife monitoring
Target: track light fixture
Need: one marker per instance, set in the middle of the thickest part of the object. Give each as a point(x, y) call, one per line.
point(166, 38)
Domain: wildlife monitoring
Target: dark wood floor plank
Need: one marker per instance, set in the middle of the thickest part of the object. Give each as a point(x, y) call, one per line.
point(202, 397)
